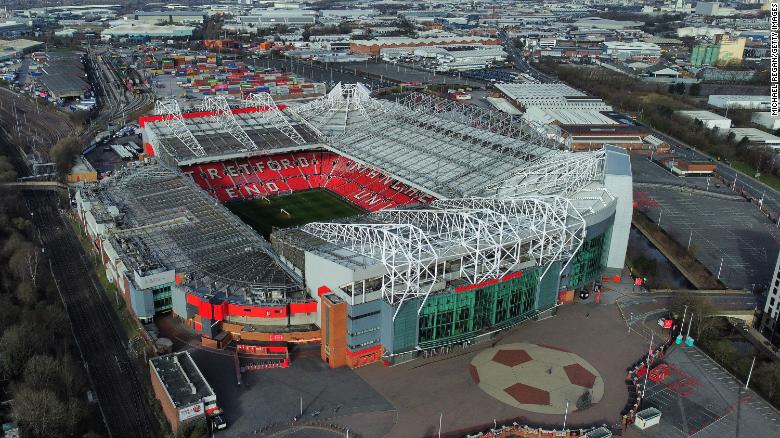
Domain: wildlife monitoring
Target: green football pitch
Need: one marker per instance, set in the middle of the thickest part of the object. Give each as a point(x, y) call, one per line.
point(301, 207)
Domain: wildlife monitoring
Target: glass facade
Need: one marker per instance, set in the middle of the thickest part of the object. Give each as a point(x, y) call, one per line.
point(587, 264)
point(449, 317)
point(162, 299)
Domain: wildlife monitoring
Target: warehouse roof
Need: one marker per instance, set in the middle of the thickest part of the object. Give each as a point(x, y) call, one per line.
point(181, 378)
point(754, 135)
point(568, 117)
point(399, 41)
point(65, 78)
point(18, 45)
point(702, 115)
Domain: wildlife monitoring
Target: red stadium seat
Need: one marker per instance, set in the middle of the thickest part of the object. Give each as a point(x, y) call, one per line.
point(270, 175)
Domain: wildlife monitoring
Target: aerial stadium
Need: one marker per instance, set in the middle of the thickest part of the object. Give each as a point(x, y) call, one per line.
point(380, 228)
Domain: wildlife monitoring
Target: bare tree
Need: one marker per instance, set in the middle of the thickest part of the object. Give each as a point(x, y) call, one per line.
point(33, 263)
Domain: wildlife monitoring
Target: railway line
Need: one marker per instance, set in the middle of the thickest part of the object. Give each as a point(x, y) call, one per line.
point(114, 376)
point(116, 106)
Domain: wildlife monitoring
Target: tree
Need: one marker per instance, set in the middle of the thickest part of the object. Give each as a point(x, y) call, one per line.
point(39, 412)
point(695, 89)
point(64, 154)
point(679, 88)
point(16, 348)
point(27, 294)
point(42, 371)
point(723, 351)
point(705, 323)
point(767, 377)
point(7, 172)
point(585, 401)
point(25, 262)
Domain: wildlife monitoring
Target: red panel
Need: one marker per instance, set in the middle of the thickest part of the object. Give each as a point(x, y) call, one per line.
point(193, 299)
point(257, 312)
point(148, 149)
point(205, 310)
point(322, 290)
point(198, 326)
point(511, 276)
point(364, 351)
point(480, 285)
point(220, 311)
point(276, 337)
point(194, 115)
point(309, 307)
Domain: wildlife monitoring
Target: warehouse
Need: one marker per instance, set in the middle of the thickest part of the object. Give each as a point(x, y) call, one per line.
point(551, 96)
point(766, 119)
point(183, 392)
point(708, 119)
point(756, 137)
point(725, 101)
point(141, 30)
point(546, 116)
point(10, 49)
point(373, 47)
point(622, 50)
point(593, 137)
point(178, 17)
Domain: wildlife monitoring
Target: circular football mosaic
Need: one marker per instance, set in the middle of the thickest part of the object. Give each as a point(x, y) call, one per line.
point(536, 378)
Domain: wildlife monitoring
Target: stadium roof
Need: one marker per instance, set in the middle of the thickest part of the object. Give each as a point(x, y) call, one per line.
point(508, 197)
point(164, 213)
point(224, 129)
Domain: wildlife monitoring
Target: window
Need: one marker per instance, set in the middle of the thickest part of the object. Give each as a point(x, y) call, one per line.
point(365, 315)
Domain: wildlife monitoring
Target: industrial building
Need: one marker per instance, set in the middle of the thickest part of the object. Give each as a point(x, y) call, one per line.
point(755, 136)
point(144, 30)
point(765, 119)
point(547, 116)
point(170, 17)
point(724, 51)
point(373, 47)
point(474, 222)
point(725, 101)
point(265, 19)
point(450, 58)
point(183, 392)
point(708, 119)
point(11, 49)
point(551, 96)
point(593, 137)
point(630, 50)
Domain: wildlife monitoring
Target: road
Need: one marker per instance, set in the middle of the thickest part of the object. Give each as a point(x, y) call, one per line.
point(116, 379)
point(520, 62)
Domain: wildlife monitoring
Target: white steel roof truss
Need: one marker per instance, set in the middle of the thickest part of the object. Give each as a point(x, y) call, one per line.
point(223, 114)
point(404, 250)
point(175, 122)
point(274, 115)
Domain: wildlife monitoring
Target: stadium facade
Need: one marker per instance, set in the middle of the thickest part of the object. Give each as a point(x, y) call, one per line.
point(475, 222)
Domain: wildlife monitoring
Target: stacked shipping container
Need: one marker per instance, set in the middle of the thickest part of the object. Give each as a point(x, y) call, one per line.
point(209, 75)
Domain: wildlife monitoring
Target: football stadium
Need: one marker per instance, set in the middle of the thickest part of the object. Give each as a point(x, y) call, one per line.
point(381, 228)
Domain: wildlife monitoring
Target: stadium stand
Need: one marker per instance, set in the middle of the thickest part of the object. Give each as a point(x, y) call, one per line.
point(272, 175)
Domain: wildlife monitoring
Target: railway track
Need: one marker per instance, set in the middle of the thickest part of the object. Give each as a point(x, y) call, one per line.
point(98, 332)
point(116, 106)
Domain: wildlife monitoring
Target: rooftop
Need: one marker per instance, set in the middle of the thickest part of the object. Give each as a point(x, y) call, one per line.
point(174, 223)
point(183, 381)
point(702, 115)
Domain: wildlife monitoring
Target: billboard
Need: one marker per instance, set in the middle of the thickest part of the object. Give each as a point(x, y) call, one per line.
point(191, 411)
